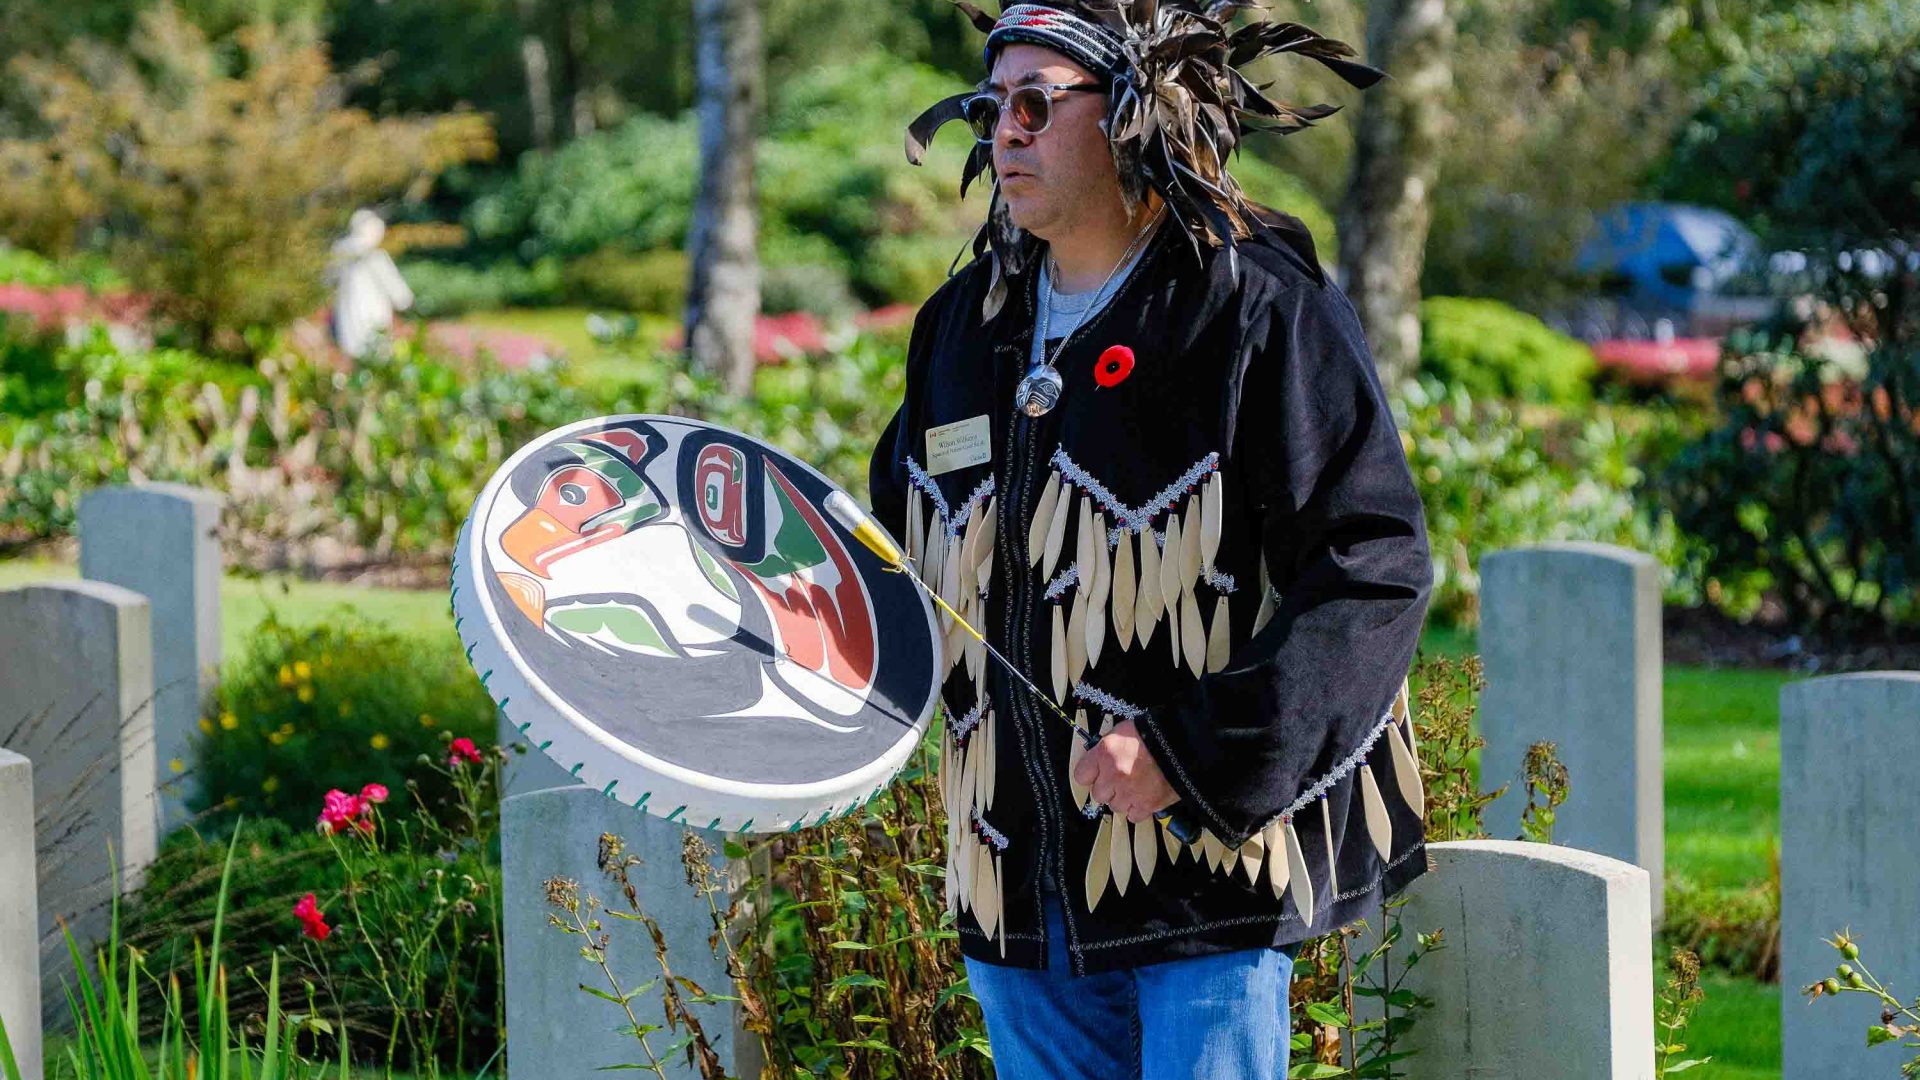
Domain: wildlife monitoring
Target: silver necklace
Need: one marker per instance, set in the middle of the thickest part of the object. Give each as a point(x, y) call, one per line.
point(1039, 392)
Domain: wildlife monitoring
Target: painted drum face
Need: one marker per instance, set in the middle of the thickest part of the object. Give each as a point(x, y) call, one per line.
point(663, 607)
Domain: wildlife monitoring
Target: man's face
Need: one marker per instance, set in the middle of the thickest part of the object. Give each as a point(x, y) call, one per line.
point(1051, 181)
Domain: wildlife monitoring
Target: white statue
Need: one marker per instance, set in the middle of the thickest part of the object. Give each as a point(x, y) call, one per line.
point(368, 288)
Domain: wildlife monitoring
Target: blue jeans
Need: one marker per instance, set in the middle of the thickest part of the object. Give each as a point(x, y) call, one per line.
point(1219, 1017)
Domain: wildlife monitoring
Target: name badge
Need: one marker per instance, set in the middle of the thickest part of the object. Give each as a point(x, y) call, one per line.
point(958, 445)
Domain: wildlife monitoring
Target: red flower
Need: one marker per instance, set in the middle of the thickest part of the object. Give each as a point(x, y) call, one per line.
point(464, 750)
point(313, 923)
point(1114, 365)
point(342, 811)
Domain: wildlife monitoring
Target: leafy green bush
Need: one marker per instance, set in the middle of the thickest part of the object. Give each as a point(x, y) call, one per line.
point(441, 289)
point(1491, 477)
point(313, 707)
point(650, 281)
point(1492, 350)
point(19, 266)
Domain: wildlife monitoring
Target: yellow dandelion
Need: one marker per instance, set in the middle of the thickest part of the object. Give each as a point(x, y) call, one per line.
point(206, 726)
point(176, 765)
point(270, 785)
point(286, 675)
point(277, 738)
point(228, 721)
point(302, 670)
point(305, 694)
point(426, 719)
point(380, 741)
point(286, 729)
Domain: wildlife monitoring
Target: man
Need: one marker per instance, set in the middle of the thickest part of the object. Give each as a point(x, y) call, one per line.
point(1143, 448)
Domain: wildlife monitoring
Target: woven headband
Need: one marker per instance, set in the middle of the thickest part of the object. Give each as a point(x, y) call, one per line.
point(1087, 43)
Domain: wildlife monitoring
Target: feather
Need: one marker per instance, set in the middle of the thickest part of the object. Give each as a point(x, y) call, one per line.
point(1076, 751)
point(1057, 530)
point(1212, 508)
point(1083, 545)
point(1265, 613)
point(969, 781)
point(982, 21)
point(984, 891)
point(964, 863)
point(1379, 824)
point(992, 769)
point(1218, 642)
point(1041, 526)
point(921, 131)
point(1252, 854)
point(936, 555)
point(1097, 588)
point(1326, 834)
point(1172, 562)
point(1300, 885)
point(1077, 638)
point(1120, 850)
point(1190, 545)
point(1193, 635)
point(1058, 659)
point(1124, 585)
point(1406, 772)
point(1145, 853)
point(979, 159)
point(1099, 861)
point(1277, 862)
point(916, 529)
point(982, 563)
point(1149, 599)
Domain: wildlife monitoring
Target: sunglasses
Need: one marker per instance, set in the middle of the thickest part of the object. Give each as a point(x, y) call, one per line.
point(1031, 107)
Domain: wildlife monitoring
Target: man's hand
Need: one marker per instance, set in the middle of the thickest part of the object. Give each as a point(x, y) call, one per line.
point(1122, 774)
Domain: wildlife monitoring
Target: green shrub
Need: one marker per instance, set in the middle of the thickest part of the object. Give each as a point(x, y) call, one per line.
point(335, 704)
point(650, 281)
point(442, 289)
point(1492, 478)
point(1492, 350)
point(21, 267)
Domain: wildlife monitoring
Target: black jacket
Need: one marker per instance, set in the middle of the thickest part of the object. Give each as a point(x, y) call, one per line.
point(1254, 415)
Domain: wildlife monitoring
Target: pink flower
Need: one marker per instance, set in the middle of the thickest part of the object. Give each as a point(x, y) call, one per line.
point(464, 750)
point(342, 811)
point(313, 923)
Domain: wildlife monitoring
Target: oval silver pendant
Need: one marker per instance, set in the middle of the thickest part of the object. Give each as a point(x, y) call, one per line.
point(1039, 392)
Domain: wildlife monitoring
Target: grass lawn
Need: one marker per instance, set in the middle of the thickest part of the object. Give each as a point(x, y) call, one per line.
point(246, 601)
point(1722, 775)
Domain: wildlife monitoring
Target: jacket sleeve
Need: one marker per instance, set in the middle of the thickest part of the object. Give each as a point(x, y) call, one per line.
point(1343, 533)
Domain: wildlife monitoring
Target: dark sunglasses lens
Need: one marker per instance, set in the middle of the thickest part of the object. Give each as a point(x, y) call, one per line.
point(1029, 105)
point(983, 114)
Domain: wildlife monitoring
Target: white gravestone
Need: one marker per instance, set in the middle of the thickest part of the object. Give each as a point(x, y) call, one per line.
point(19, 917)
point(1570, 640)
point(1547, 969)
point(76, 693)
point(1849, 860)
point(162, 541)
point(554, 1028)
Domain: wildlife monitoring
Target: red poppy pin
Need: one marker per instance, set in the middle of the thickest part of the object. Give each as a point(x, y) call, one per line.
point(1114, 365)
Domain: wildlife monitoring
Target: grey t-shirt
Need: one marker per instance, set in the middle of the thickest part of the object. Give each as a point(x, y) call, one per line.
point(1069, 310)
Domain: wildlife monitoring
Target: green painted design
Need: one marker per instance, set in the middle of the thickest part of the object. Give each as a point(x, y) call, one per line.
point(525, 726)
point(642, 800)
point(712, 825)
point(608, 790)
point(795, 547)
point(470, 647)
point(678, 810)
point(747, 825)
point(577, 766)
point(715, 574)
point(546, 744)
point(630, 624)
point(485, 675)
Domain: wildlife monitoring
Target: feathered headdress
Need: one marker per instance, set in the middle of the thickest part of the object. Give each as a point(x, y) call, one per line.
point(1175, 112)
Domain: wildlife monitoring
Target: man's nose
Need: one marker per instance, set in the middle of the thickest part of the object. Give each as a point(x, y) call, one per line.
point(1008, 133)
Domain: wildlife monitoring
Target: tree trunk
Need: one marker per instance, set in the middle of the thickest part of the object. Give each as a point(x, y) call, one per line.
point(723, 296)
point(1396, 159)
point(539, 75)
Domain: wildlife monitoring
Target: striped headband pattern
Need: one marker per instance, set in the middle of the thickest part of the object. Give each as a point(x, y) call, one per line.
point(1089, 44)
